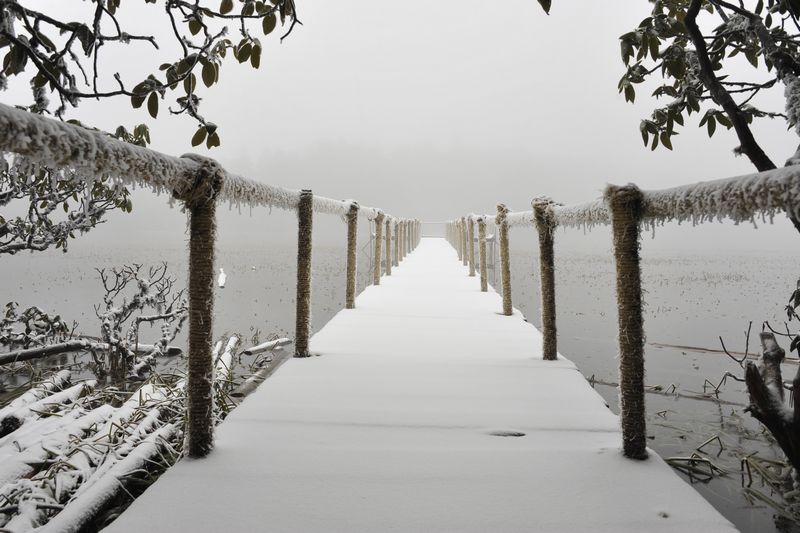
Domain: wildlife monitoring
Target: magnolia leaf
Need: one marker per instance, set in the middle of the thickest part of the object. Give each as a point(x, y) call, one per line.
point(255, 56)
point(213, 140)
point(209, 74)
point(199, 136)
point(152, 105)
point(269, 23)
point(712, 125)
point(666, 141)
point(546, 5)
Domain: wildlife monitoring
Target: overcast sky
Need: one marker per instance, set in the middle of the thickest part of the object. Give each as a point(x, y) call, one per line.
point(436, 109)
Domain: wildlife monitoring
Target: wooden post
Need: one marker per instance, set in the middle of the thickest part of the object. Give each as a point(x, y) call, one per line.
point(471, 247)
point(403, 229)
point(376, 268)
point(545, 226)
point(482, 253)
point(352, 255)
point(199, 197)
point(460, 240)
point(305, 215)
point(626, 205)
point(464, 259)
point(388, 247)
point(396, 243)
point(505, 265)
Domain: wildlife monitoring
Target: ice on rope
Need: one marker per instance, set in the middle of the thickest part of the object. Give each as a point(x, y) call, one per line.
point(91, 153)
point(581, 215)
point(396, 426)
point(517, 219)
point(740, 199)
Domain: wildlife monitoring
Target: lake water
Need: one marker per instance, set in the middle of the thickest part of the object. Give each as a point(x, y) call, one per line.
point(691, 300)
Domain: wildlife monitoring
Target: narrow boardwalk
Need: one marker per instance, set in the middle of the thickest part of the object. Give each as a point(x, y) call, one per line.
point(391, 428)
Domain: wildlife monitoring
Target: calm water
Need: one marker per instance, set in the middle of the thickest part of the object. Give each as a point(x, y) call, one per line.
point(691, 300)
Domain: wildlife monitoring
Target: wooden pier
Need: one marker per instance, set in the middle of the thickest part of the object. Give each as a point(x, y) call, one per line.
point(422, 409)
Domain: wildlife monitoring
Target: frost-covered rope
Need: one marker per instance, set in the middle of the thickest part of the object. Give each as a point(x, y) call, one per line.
point(62, 145)
point(740, 199)
point(519, 219)
point(583, 215)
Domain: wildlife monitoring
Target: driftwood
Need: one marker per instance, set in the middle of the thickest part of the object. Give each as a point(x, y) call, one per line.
point(252, 383)
point(84, 508)
point(767, 405)
point(267, 346)
point(13, 420)
point(72, 346)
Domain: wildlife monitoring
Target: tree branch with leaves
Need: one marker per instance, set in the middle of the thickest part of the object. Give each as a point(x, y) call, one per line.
point(63, 54)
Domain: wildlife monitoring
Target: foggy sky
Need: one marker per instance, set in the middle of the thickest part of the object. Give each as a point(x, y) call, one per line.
point(434, 110)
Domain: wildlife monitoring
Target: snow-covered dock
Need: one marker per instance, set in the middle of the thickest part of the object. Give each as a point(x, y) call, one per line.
point(425, 410)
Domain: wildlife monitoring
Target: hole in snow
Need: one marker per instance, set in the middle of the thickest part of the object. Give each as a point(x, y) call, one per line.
point(506, 433)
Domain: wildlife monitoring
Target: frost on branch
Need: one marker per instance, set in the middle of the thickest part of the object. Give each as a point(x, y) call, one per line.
point(133, 297)
point(31, 327)
point(57, 206)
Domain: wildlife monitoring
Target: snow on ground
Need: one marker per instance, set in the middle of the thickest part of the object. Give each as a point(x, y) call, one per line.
point(390, 429)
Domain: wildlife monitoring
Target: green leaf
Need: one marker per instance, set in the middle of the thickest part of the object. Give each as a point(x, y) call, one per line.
point(255, 56)
point(189, 83)
point(137, 100)
point(226, 6)
point(712, 125)
point(199, 136)
point(630, 93)
point(269, 23)
point(723, 119)
point(643, 131)
point(752, 57)
point(244, 52)
point(213, 140)
point(152, 104)
point(665, 140)
point(654, 47)
point(195, 26)
point(209, 74)
point(546, 5)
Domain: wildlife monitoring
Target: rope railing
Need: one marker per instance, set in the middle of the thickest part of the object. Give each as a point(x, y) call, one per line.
point(628, 210)
point(28, 141)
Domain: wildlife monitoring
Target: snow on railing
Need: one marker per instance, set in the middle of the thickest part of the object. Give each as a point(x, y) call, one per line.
point(28, 140)
point(94, 153)
point(741, 199)
point(516, 219)
point(627, 210)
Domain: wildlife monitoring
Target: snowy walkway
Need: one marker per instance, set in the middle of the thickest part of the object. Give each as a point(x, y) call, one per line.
point(390, 429)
